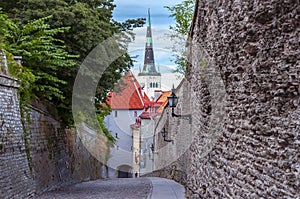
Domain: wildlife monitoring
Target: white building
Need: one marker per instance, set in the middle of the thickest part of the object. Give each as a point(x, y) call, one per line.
point(126, 105)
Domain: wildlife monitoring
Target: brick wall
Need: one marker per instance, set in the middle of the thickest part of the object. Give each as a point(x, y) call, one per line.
point(254, 47)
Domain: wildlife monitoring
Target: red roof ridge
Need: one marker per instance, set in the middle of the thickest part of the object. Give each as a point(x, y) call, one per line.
point(130, 97)
point(138, 89)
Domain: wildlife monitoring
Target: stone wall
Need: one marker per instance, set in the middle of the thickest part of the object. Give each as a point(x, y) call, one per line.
point(16, 180)
point(254, 47)
point(40, 155)
point(57, 157)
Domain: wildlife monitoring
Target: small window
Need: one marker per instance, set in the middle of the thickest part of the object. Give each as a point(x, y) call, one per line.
point(156, 85)
point(116, 113)
point(135, 114)
point(151, 85)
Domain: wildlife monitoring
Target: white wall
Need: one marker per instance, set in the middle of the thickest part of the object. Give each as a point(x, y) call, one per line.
point(146, 80)
point(147, 138)
point(121, 153)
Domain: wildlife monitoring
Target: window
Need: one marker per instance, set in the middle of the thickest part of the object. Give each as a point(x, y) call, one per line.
point(135, 114)
point(116, 113)
point(151, 85)
point(156, 85)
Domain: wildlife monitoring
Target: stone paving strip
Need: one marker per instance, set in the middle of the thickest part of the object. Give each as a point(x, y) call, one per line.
point(121, 188)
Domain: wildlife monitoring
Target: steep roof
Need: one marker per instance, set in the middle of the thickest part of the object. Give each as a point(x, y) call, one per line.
point(130, 96)
point(149, 68)
point(158, 106)
point(164, 100)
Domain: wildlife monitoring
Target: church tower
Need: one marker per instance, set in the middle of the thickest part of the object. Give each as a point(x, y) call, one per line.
point(149, 76)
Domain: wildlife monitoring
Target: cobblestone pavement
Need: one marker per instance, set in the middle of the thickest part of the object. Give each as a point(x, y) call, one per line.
point(121, 188)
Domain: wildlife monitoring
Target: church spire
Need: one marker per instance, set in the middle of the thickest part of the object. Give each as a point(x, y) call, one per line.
point(149, 68)
point(149, 20)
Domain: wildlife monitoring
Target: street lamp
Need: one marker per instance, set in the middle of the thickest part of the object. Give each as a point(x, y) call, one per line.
point(164, 133)
point(173, 101)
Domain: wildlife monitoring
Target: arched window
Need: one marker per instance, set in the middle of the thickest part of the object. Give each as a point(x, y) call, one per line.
point(151, 85)
point(156, 85)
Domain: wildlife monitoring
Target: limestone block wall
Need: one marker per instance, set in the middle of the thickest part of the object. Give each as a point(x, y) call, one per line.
point(254, 46)
point(172, 158)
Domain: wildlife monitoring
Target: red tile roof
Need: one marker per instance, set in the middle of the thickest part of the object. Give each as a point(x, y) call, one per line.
point(130, 97)
point(164, 100)
point(148, 115)
point(158, 105)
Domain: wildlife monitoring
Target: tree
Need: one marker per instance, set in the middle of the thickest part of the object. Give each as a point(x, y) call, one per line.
point(90, 23)
point(183, 15)
point(42, 54)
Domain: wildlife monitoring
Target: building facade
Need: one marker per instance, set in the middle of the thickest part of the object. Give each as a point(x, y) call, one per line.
point(126, 105)
point(134, 117)
point(148, 121)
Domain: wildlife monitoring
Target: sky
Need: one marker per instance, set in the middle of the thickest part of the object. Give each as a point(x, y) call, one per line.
point(126, 9)
point(160, 23)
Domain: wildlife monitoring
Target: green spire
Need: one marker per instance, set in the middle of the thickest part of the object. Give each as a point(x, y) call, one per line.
point(149, 68)
point(149, 21)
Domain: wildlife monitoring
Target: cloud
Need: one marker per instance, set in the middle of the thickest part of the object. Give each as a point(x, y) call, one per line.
point(168, 79)
point(126, 9)
point(160, 21)
point(161, 44)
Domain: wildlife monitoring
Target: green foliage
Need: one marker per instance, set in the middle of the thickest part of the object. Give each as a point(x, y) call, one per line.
point(48, 49)
point(90, 23)
point(42, 54)
point(26, 80)
point(42, 57)
point(5, 25)
point(24, 75)
point(183, 15)
point(100, 117)
point(130, 24)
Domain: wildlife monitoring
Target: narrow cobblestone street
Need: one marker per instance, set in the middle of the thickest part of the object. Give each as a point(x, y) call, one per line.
point(121, 188)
